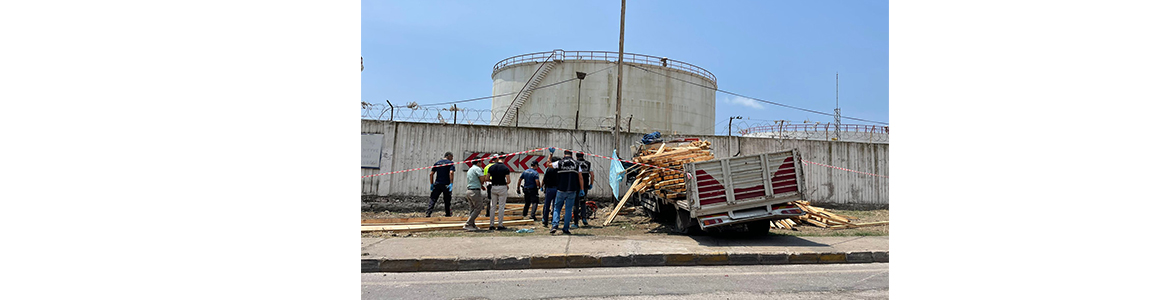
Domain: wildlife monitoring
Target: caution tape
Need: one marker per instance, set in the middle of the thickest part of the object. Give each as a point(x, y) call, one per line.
point(689, 176)
point(802, 160)
point(452, 164)
point(622, 160)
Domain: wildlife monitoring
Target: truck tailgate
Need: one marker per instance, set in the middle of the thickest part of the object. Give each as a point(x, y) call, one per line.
point(745, 188)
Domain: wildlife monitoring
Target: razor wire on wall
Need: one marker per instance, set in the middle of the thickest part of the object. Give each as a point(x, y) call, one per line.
point(812, 131)
point(453, 115)
point(780, 129)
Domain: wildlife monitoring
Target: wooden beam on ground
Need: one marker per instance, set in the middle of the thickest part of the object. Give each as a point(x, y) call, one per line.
point(783, 224)
point(618, 207)
point(818, 224)
point(436, 227)
point(434, 220)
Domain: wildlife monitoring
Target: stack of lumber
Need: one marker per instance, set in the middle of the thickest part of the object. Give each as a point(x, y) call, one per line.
point(665, 183)
point(822, 218)
point(397, 225)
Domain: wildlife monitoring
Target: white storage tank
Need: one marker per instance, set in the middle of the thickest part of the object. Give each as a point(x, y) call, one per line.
point(656, 102)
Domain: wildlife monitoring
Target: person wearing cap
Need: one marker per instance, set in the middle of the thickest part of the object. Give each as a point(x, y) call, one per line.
point(550, 187)
point(498, 175)
point(474, 194)
point(587, 177)
point(441, 184)
point(529, 183)
point(569, 182)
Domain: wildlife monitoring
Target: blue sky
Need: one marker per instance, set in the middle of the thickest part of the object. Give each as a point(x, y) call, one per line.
point(781, 51)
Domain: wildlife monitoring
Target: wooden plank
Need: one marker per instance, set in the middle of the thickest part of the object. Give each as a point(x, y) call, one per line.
point(784, 224)
point(848, 226)
point(832, 217)
point(417, 221)
point(436, 227)
point(618, 207)
point(818, 224)
point(871, 224)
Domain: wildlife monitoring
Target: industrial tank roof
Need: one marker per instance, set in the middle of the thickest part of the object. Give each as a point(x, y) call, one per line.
point(606, 56)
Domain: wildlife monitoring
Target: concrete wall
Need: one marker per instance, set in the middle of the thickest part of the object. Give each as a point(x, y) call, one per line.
point(412, 145)
point(657, 103)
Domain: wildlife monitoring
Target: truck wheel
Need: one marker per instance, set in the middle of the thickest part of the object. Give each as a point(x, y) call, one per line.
point(666, 214)
point(684, 224)
point(759, 227)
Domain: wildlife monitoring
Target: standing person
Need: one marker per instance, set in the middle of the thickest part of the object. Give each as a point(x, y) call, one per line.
point(550, 187)
point(488, 184)
point(569, 182)
point(531, 185)
point(474, 194)
point(587, 178)
point(441, 184)
point(498, 175)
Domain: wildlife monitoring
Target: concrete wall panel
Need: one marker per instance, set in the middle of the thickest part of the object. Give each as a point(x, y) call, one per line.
point(413, 145)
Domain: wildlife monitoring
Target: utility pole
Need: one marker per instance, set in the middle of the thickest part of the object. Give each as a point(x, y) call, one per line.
point(729, 133)
point(617, 116)
point(837, 111)
point(577, 120)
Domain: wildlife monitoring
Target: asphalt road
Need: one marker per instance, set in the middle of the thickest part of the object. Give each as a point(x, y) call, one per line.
point(834, 281)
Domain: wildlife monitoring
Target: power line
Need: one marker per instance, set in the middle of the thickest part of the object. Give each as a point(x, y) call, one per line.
point(513, 93)
point(757, 99)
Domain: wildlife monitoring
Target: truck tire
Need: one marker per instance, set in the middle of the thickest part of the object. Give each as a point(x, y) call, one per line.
point(759, 227)
point(666, 214)
point(684, 224)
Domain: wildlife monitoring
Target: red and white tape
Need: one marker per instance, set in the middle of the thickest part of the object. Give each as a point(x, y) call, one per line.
point(618, 159)
point(452, 164)
point(840, 168)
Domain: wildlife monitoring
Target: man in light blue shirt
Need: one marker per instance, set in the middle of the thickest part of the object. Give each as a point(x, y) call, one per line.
point(474, 194)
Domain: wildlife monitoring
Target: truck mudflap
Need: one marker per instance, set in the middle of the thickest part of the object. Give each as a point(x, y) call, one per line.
point(775, 211)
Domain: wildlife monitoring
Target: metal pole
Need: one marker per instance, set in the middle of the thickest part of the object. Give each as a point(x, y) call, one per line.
point(577, 120)
point(621, 52)
point(391, 110)
point(455, 120)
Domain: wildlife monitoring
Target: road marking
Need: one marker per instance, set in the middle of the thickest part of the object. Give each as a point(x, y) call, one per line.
point(429, 282)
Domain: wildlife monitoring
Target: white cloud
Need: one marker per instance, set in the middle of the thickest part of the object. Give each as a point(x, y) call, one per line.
point(744, 101)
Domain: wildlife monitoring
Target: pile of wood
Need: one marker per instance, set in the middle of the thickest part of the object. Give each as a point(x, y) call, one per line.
point(822, 218)
point(663, 183)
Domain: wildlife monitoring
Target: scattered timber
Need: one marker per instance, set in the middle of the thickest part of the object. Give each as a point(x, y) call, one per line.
point(822, 218)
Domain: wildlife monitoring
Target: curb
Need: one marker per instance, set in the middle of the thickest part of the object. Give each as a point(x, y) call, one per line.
point(560, 261)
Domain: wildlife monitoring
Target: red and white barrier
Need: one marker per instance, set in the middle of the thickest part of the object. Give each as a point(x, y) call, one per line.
point(451, 164)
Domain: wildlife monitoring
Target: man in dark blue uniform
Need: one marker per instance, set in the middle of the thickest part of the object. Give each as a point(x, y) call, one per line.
point(441, 184)
point(586, 170)
point(568, 185)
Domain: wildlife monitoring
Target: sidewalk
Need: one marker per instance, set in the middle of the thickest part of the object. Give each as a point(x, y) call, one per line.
point(544, 251)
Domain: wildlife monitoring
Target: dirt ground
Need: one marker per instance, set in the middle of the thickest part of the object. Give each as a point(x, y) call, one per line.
point(636, 223)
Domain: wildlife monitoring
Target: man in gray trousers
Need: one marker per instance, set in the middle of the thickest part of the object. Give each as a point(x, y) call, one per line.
point(474, 194)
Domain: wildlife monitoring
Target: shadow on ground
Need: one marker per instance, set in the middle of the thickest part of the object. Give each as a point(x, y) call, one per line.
point(749, 240)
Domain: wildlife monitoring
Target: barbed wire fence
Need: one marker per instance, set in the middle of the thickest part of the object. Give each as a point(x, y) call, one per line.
point(451, 115)
point(780, 129)
point(806, 130)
